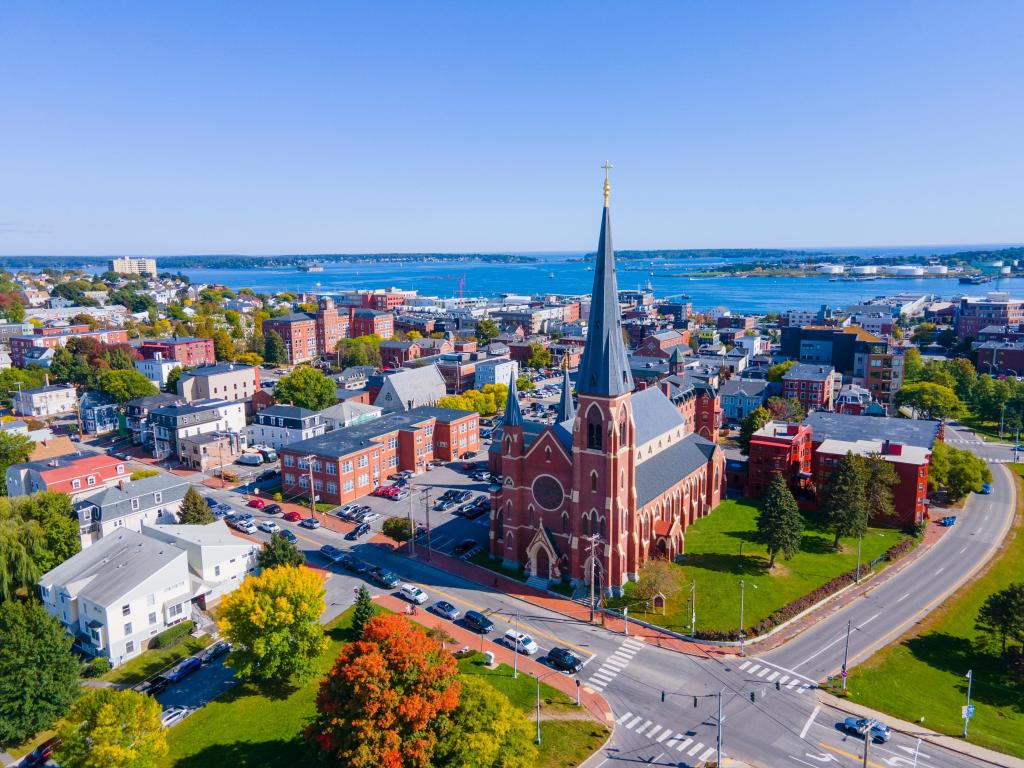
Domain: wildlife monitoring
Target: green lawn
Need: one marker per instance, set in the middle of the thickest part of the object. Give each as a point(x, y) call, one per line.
point(148, 663)
point(937, 654)
point(987, 429)
point(720, 551)
point(484, 560)
point(247, 727)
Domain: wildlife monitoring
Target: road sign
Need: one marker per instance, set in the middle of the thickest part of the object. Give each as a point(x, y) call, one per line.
point(967, 712)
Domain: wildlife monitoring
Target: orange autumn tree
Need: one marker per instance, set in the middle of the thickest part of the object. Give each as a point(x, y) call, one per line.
point(386, 699)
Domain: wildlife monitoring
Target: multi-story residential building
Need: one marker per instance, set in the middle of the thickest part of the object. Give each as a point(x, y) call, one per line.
point(55, 338)
point(855, 400)
point(495, 371)
point(366, 322)
point(741, 396)
point(9, 330)
point(129, 266)
point(539, 319)
point(223, 381)
point(212, 450)
point(1001, 333)
point(348, 463)
point(137, 414)
point(170, 425)
point(407, 389)
point(281, 425)
point(156, 369)
point(348, 414)
point(663, 343)
point(783, 448)
point(44, 402)
point(73, 474)
point(976, 313)
point(1001, 357)
point(188, 351)
point(307, 335)
point(99, 413)
point(458, 369)
point(813, 385)
point(129, 504)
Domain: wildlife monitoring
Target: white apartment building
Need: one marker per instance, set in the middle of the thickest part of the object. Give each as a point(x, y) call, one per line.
point(281, 425)
point(496, 371)
point(218, 561)
point(129, 504)
point(53, 400)
point(129, 266)
point(157, 370)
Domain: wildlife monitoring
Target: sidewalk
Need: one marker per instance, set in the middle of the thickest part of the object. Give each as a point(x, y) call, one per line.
point(916, 730)
point(591, 701)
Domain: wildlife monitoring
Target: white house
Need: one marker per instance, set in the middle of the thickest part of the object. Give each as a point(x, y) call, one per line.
point(52, 400)
point(218, 560)
point(279, 425)
point(129, 505)
point(119, 593)
point(495, 371)
point(157, 369)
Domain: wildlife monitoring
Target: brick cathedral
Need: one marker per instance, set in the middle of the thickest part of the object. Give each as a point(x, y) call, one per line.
point(619, 476)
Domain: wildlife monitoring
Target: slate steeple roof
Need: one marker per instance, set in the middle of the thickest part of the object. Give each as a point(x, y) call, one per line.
point(513, 413)
point(566, 408)
point(605, 368)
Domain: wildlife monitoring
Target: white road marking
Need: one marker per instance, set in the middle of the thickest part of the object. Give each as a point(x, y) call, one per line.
point(653, 731)
point(793, 684)
point(629, 653)
point(797, 674)
point(810, 721)
point(664, 735)
point(753, 669)
point(624, 718)
point(903, 598)
point(633, 722)
point(597, 684)
point(771, 677)
point(613, 662)
point(803, 688)
point(783, 679)
point(607, 671)
point(940, 570)
point(837, 640)
point(634, 644)
point(763, 672)
point(707, 754)
point(695, 749)
point(744, 665)
point(684, 744)
point(962, 550)
point(603, 678)
point(647, 724)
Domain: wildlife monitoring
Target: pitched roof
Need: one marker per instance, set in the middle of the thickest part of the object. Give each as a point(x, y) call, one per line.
point(416, 384)
point(743, 387)
point(664, 469)
point(653, 415)
point(115, 501)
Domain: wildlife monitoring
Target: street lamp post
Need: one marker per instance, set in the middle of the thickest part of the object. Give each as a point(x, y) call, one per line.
point(846, 653)
point(539, 678)
point(693, 609)
point(967, 709)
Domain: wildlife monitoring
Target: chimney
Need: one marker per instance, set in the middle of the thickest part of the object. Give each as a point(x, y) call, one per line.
point(121, 483)
point(792, 429)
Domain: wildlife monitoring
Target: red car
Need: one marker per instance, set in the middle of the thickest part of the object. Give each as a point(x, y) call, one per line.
point(292, 517)
point(256, 503)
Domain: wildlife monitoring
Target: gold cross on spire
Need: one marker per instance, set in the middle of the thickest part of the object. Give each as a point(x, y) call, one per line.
point(607, 187)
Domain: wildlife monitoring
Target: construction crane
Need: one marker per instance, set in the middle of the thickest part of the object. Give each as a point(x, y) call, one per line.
point(460, 278)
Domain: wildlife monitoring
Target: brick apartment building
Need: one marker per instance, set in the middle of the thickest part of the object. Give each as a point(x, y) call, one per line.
point(57, 337)
point(782, 448)
point(662, 344)
point(1001, 357)
point(812, 385)
point(349, 463)
point(975, 313)
point(308, 335)
point(366, 322)
point(187, 350)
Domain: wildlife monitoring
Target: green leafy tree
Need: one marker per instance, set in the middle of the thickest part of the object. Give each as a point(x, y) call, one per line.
point(223, 346)
point(273, 619)
point(486, 331)
point(966, 474)
point(485, 731)
point(779, 525)
point(279, 552)
point(28, 378)
point(540, 356)
point(879, 478)
point(37, 533)
point(307, 388)
point(38, 671)
point(14, 449)
point(933, 400)
point(125, 385)
point(785, 409)
point(913, 367)
point(110, 728)
point(15, 312)
point(194, 509)
point(121, 357)
point(754, 421)
point(364, 610)
point(844, 501)
point(274, 351)
point(524, 383)
point(249, 358)
point(397, 528)
point(776, 372)
point(171, 387)
point(1001, 616)
point(656, 576)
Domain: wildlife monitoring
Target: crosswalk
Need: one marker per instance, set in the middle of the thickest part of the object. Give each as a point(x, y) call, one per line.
point(685, 744)
point(614, 664)
point(771, 675)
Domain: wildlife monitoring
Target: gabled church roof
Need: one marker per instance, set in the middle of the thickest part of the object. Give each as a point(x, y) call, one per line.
point(605, 369)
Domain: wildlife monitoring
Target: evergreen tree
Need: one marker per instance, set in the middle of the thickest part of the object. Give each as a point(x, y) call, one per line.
point(844, 501)
point(279, 551)
point(38, 671)
point(779, 525)
point(171, 387)
point(364, 610)
point(1001, 616)
point(879, 479)
point(756, 419)
point(194, 509)
point(273, 349)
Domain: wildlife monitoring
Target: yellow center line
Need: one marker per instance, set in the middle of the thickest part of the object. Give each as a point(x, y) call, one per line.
point(850, 755)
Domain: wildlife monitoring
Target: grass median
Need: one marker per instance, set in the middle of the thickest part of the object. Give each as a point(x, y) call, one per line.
point(923, 675)
point(721, 551)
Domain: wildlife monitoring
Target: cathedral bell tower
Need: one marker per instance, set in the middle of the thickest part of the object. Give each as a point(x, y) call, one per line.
point(507, 501)
point(603, 440)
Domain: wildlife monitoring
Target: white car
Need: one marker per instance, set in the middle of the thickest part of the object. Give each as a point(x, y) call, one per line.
point(246, 526)
point(369, 517)
point(413, 594)
point(173, 716)
point(269, 526)
point(520, 642)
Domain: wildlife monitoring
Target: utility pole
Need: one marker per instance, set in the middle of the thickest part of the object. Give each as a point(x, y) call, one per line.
point(741, 623)
point(593, 564)
point(846, 653)
point(867, 738)
point(412, 530)
point(719, 744)
point(856, 579)
point(223, 482)
point(426, 507)
point(312, 493)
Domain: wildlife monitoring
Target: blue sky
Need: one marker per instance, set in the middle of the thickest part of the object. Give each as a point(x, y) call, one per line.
point(298, 127)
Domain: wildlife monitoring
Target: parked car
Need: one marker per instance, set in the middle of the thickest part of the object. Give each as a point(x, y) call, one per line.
point(520, 642)
point(182, 669)
point(222, 509)
point(346, 511)
point(310, 522)
point(354, 564)
point(445, 610)
point(215, 651)
point(289, 536)
point(384, 577)
point(210, 501)
point(370, 516)
point(444, 505)
point(250, 459)
point(402, 494)
point(243, 516)
point(267, 474)
point(41, 755)
point(332, 553)
point(413, 594)
point(986, 488)
point(478, 622)
point(256, 503)
point(880, 732)
point(173, 715)
point(268, 454)
point(269, 526)
point(464, 546)
point(360, 530)
point(565, 660)
point(245, 526)
point(272, 509)
point(292, 516)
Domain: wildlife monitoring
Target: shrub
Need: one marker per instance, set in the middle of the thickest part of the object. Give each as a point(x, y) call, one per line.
point(278, 496)
point(96, 667)
point(173, 635)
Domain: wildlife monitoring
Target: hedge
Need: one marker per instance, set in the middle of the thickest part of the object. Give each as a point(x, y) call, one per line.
point(173, 635)
point(801, 604)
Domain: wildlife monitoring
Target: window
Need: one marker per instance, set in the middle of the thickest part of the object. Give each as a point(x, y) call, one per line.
point(289, 461)
point(76, 483)
point(289, 478)
point(332, 487)
point(349, 485)
point(152, 617)
point(158, 497)
point(128, 628)
point(135, 504)
point(363, 461)
point(126, 610)
point(332, 469)
point(120, 469)
point(129, 647)
point(364, 479)
point(346, 466)
point(174, 610)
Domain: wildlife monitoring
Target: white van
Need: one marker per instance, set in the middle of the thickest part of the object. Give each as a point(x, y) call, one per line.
point(520, 642)
point(413, 594)
point(250, 459)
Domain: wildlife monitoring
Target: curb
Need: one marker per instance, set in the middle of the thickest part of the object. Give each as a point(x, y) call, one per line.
point(951, 743)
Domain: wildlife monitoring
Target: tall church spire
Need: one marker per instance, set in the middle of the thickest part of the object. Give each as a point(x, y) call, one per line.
point(566, 409)
point(605, 367)
point(513, 413)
